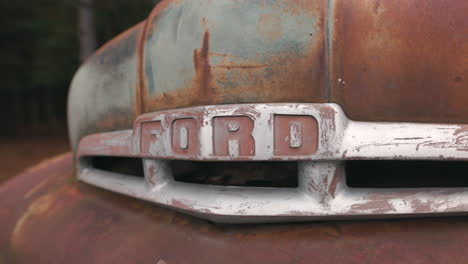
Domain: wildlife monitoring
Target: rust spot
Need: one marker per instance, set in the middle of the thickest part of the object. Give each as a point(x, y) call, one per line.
point(240, 66)
point(461, 130)
point(248, 111)
point(179, 204)
point(419, 206)
point(201, 62)
point(313, 186)
point(140, 86)
point(142, 96)
point(205, 24)
point(374, 206)
point(152, 172)
point(376, 7)
point(307, 125)
point(337, 178)
point(328, 113)
point(400, 59)
point(288, 75)
point(345, 155)
point(201, 91)
point(225, 55)
point(189, 206)
point(409, 138)
point(269, 26)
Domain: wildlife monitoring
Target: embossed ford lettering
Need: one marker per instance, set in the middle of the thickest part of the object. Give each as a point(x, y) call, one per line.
point(227, 136)
point(318, 136)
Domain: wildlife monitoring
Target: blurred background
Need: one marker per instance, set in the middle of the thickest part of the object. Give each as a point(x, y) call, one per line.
point(42, 45)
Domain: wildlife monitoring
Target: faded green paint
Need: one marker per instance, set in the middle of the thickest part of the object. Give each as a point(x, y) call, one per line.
point(242, 33)
point(102, 93)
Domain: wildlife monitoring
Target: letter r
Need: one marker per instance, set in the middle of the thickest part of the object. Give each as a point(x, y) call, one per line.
point(232, 136)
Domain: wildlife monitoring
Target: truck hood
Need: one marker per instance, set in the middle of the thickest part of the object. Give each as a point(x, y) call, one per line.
point(378, 60)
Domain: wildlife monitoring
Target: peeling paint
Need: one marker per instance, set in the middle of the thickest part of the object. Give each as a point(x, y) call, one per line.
point(248, 133)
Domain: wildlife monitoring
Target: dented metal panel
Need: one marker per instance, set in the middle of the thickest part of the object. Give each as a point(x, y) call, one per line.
point(261, 132)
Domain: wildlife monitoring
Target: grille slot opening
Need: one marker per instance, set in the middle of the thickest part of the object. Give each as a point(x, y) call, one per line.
point(406, 174)
point(121, 165)
point(248, 174)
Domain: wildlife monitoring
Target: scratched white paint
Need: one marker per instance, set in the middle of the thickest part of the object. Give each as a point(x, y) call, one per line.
point(405, 141)
point(295, 135)
point(183, 138)
point(322, 191)
point(233, 147)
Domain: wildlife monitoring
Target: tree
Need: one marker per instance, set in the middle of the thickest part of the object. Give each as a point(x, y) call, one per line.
point(42, 43)
point(86, 28)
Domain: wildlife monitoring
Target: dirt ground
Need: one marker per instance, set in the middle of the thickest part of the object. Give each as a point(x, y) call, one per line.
point(20, 153)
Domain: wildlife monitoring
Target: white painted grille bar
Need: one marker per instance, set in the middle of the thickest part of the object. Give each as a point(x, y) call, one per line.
point(319, 136)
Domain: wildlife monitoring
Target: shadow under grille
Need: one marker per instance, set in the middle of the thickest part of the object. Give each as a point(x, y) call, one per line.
point(233, 173)
point(121, 165)
point(406, 174)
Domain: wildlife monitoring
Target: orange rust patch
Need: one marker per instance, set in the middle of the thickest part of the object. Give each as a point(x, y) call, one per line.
point(240, 66)
point(140, 91)
point(461, 130)
point(285, 76)
point(269, 26)
point(399, 60)
point(73, 192)
point(180, 204)
point(419, 206)
point(334, 183)
point(200, 92)
point(201, 62)
point(374, 206)
point(190, 206)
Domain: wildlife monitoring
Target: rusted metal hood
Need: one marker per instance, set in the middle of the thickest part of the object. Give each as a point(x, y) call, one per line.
point(379, 60)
